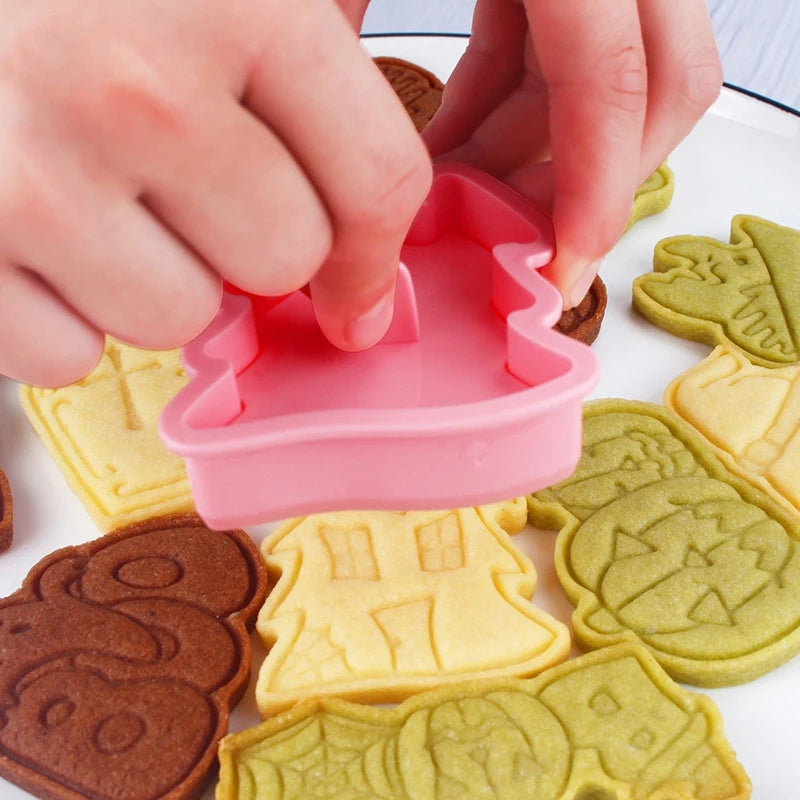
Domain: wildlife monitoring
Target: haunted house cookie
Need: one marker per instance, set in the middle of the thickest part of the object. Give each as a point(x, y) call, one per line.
point(749, 414)
point(610, 724)
point(746, 293)
point(376, 606)
point(102, 433)
point(121, 659)
point(660, 543)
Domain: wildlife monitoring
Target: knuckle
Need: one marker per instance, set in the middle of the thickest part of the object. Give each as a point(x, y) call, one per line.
point(622, 75)
point(397, 187)
point(702, 80)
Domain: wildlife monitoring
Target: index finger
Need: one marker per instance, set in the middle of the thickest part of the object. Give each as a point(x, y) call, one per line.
point(322, 94)
point(593, 61)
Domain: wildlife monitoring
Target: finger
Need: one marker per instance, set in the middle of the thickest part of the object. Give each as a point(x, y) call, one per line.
point(233, 189)
point(105, 255)
point(42, 341)
point(360, 150)
point(483, 77)
point(592, 57)
point(683, 70)
point(354, 10)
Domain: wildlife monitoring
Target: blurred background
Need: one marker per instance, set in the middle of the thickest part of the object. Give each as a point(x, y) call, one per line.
point(759, 40)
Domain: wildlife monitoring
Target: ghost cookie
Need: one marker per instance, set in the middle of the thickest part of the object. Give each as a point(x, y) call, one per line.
point(122, 658)
point(660, 543)
point(746, 293)
point(375, 606)
point(749, 414)
point(610, 724)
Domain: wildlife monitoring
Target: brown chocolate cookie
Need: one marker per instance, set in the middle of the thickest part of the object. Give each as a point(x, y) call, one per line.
point(583, 321)
point(6, 513)
point(121, 659)
point(419, 90)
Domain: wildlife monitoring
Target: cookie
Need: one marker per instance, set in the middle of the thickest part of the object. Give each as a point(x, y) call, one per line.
point(583, 321)
point(610, 724)
point(660, 543)
point(419, 90)
point(121, 660)
point(6, 513)
point(375, 606)
point(102, 434)
point(654, 195)
point(746, 293)
point(749, 414)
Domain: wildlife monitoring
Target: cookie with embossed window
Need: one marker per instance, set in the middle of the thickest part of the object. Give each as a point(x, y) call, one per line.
point(375, 606)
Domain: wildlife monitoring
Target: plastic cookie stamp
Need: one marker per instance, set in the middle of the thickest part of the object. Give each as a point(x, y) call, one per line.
point(470, 398)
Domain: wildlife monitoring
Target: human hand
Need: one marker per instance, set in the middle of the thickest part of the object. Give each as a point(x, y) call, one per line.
point(574, 103)
point(151, 148)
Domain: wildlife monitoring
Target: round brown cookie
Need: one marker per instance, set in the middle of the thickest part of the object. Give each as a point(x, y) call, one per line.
point(122, 658)
point(6, 513)
point(583, 321)
point(419, 90)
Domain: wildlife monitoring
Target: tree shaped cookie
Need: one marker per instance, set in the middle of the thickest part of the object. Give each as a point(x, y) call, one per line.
point(749, 414)
point(375, 605)
point(610, 724)
point(660, 543)
point(102, 432)
point(746, 292)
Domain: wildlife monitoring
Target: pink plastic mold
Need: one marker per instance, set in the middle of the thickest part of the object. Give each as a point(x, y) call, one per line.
point(471, 397)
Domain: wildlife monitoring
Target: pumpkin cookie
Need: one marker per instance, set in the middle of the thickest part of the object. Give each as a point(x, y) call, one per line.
point(609, 724)
point(102, 432)
point(660, 543)
point(122, 658)
point(375, 606)
point(746, 293)
point(749, 414)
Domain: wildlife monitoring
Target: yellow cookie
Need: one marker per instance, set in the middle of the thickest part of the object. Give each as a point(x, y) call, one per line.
point(102, 433)
point(375, 606)
point(746, 293)
point(750, 414)
point(660, 543)
point(610, 724)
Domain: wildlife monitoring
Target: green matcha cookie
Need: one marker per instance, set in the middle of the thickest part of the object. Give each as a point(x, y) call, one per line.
point(610, 724)
point(660, 544)
point(746, 292)
point(654, 195)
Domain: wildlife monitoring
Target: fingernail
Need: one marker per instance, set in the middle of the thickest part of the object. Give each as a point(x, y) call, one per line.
point(368, 329)
point(584, 282)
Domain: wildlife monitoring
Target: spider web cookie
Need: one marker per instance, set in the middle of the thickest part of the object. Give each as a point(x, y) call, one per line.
point(102, 433)
point(375, 606)
point(746, 293)
point(660, 543)
point(610, 724)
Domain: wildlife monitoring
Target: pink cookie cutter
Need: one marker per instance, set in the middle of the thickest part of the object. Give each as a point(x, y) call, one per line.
point(471, 397)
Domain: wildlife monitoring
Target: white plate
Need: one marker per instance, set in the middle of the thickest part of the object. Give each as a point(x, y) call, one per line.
point(743, 157)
